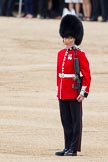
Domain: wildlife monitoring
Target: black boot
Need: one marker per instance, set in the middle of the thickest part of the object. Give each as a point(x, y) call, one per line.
point(61, 153)
point(70, 153)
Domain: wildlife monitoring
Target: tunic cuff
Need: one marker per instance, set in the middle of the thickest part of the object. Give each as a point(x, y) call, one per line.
point(83, 92)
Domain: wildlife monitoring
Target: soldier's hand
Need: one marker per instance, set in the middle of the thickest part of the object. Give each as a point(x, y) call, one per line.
point(80, 98)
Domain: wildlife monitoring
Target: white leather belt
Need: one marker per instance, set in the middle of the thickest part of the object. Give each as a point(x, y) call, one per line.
point(62, 75)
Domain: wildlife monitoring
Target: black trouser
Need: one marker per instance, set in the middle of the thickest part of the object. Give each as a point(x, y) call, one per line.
point(100, 6)
point(71, 118)
point(104, 8)
point(28, 7)
point(0, 7)
point(58, 6)
point(7, 7)
point(42, 7)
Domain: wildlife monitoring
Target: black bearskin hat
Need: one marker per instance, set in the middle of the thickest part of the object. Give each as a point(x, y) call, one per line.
point(71, 26)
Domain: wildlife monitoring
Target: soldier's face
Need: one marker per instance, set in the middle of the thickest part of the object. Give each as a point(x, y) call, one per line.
point(68, 40)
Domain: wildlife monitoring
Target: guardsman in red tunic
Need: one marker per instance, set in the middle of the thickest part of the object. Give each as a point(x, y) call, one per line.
point(70, 99)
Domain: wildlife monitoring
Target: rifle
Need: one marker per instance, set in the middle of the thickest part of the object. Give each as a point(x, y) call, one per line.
point(77, 73)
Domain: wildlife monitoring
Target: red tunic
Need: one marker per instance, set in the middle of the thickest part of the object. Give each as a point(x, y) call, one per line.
point(65, 64)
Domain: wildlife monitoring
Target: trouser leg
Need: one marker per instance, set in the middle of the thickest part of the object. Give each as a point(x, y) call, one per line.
point(66, 121)
point(95, 9)
point(4, 8)
point(104, 9)
point(10, 7)
point(43, 4)
point(28, 7)
point(71, 118)
point(76, 113)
